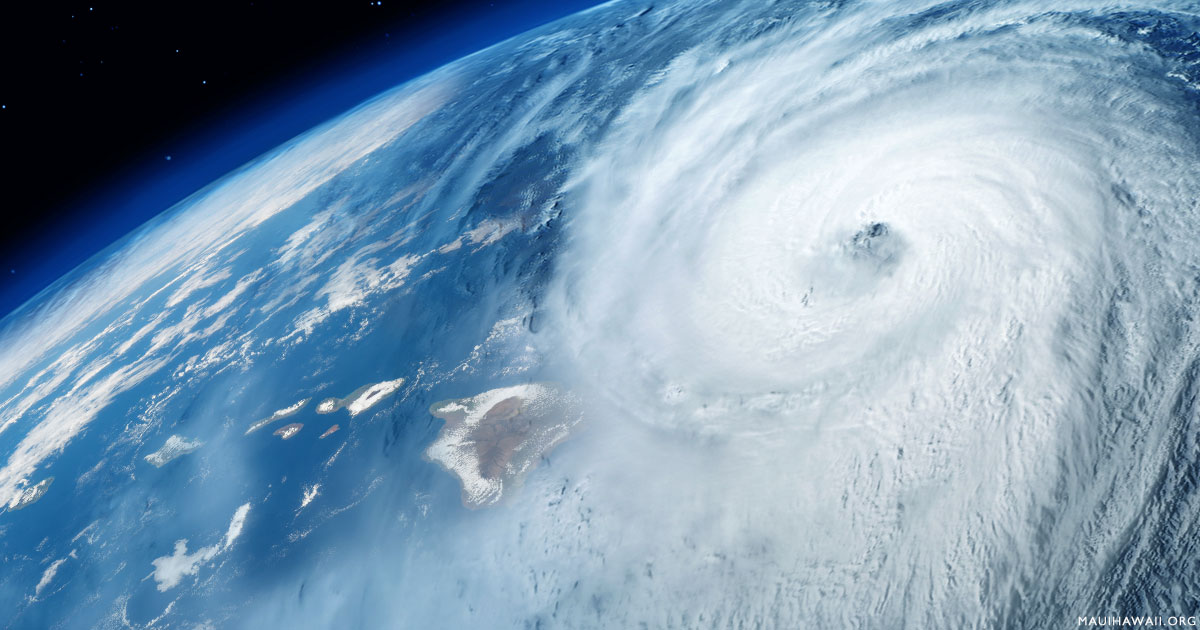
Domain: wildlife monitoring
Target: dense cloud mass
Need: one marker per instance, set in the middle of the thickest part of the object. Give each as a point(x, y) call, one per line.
point(871, 315)
point(913, 294)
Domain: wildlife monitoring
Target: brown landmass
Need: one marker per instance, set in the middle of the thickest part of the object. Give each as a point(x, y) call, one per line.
point(491, 440)
point(503, 429)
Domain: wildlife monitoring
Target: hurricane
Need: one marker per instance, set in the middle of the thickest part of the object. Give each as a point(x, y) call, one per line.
point(704, 314)
point(923, 285)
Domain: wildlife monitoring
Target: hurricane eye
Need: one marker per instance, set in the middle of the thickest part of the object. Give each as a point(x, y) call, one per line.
point(875, 245)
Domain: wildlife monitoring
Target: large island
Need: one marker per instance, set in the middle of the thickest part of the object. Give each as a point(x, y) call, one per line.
point(491, 440)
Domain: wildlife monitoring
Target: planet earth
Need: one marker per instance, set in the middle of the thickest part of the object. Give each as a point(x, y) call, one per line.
point(707, 314)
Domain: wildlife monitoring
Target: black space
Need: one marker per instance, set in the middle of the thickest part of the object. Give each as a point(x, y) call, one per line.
point(97, 95)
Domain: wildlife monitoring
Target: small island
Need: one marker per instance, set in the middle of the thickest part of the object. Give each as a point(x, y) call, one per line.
point(286, 412)
point(360, 399)
point(289, 431)
point(492, 440)
point(29, 495)
point(176, 446)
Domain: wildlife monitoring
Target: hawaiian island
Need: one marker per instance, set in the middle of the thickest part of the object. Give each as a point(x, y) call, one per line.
point(175, 447)
point(29, 495)
point(491, 440)
point(287, 432)
point(286, 412)
point(360, 399)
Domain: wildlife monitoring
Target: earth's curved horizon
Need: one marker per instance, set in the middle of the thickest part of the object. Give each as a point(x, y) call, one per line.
point(713, 314)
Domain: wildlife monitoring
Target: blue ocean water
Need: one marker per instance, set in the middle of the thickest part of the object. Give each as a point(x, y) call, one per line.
point(660, 209)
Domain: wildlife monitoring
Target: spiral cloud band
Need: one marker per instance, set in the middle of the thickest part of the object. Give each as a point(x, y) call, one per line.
point(720, 314)
point(917, 290)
